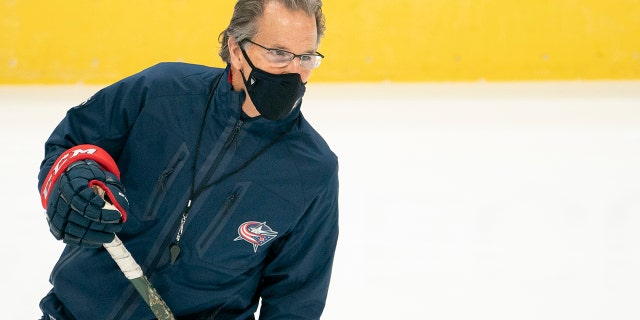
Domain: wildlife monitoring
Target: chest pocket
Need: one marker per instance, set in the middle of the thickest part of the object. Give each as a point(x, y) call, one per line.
point(164, 182)
point(244, 228)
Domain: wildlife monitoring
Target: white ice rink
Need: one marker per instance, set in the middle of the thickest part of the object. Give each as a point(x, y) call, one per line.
point(458, 201)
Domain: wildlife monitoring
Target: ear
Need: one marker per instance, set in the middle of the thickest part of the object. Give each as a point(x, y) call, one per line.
point(235, 55)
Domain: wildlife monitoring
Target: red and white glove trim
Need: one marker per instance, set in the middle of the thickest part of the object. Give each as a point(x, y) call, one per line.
point(77, 153)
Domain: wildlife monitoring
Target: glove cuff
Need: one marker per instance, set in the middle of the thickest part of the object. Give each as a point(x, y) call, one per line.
point(77, 153)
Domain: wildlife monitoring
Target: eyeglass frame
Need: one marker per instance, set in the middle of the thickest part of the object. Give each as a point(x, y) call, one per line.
point(293, 55)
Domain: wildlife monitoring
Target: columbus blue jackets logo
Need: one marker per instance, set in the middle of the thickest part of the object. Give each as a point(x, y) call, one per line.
point(256, 233)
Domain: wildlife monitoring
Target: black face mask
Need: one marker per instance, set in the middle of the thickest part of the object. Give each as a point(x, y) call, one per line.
point(273, 95)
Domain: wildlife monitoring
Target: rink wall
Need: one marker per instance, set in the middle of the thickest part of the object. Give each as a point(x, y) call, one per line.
point(59, 42)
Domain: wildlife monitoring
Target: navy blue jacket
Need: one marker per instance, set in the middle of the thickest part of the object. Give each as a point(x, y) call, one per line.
point(278, 176)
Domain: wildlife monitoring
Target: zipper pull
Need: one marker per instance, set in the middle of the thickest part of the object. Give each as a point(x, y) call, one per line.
point(234, 134)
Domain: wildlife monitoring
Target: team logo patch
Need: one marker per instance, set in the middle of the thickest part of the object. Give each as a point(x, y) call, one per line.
point(256, 233)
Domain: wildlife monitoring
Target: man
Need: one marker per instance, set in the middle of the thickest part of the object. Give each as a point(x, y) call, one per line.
point(224, 192)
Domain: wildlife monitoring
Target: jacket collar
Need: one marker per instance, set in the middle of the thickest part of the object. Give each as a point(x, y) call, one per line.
point(229, 102)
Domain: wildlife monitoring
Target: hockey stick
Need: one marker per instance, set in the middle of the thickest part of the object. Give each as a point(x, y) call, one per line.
point(133, 272)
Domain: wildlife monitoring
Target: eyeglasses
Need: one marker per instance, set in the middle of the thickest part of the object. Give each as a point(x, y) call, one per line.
point(281, 58)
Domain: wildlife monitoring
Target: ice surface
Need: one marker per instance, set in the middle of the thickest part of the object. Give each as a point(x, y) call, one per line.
point(458, 201)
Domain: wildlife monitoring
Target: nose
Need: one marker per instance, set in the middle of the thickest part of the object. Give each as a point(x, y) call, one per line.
point(294, 67)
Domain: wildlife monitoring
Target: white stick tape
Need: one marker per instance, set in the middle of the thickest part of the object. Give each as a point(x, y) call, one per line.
point(123, 258)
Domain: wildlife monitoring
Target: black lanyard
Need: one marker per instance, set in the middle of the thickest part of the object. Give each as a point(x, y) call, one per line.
point(174, 249)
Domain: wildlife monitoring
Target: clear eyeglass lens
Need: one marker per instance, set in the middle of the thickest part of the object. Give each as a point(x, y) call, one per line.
point(310, 61)
point(281, 58)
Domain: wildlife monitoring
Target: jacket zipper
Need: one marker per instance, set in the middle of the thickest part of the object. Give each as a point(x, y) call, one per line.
point(222, 218)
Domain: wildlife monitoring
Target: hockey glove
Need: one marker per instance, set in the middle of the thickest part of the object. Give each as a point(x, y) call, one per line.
point(76, 213)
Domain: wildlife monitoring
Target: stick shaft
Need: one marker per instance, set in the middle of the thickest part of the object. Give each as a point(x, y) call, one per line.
point(134, 273)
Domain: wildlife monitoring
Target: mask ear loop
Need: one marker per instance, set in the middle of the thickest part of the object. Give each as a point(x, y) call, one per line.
point(244, 53)
point(246, 57)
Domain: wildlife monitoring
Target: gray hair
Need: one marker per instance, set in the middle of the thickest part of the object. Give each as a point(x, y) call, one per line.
point(244, 26)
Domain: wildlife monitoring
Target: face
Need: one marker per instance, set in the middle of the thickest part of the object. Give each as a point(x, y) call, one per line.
point(278, 28)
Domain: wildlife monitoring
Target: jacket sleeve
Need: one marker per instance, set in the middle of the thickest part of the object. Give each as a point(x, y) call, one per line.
point(103, 120)
point(296, 280)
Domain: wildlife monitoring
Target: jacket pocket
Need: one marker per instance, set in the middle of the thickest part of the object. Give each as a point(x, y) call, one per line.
point(222, 218)
point(164, 182)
